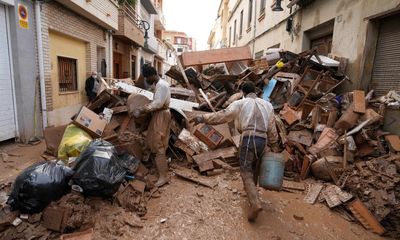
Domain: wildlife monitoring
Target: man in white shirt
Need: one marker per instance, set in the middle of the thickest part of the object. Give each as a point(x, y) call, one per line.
point(158, 130)
point(254, 118)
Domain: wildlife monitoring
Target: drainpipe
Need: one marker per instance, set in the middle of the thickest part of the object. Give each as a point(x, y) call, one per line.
point(110, 54)
point(255, 24)
point(41, 63)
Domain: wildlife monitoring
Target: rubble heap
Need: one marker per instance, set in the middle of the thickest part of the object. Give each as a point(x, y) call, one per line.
point(334, 145)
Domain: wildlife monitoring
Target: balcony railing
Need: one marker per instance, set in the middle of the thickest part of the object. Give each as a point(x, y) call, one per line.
point(129, 25)
point(131, 14)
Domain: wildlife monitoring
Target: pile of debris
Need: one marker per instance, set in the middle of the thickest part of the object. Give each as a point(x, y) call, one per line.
point(97, 170)
point(337, 139)
point(333, 142)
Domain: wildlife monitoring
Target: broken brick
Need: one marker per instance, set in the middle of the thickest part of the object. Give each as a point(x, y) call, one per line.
point(359, 101)
point(55, 218)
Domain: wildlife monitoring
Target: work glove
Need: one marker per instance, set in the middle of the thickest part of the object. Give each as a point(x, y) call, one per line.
point(197, 119)
point(275, 148)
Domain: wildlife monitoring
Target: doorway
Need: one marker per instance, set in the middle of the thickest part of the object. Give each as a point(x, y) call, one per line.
point(117, 63)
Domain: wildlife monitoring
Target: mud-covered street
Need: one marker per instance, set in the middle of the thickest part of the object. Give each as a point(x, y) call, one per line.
point(184, 210)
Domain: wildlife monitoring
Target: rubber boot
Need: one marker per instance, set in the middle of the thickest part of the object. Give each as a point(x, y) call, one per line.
point(162, 168)
point(252, 195)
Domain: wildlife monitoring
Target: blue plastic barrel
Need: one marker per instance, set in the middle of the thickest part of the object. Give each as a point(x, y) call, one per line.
point(271, 171)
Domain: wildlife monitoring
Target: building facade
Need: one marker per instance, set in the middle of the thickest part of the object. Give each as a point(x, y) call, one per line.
point(76, 37)
point(180, 41)
point(130, 49)
point(19, 93)
point(49, 48)
point(364, 32)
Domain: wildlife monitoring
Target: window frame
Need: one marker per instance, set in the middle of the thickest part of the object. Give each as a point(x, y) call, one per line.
point(230, 36)
point(250, 14)
point(241, 25)
point(76, 62)
point(262, 7)
point(234, 32)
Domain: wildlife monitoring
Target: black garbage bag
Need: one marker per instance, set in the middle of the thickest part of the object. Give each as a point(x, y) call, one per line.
point(38, 185)
point(98, 171)
point(129, 162)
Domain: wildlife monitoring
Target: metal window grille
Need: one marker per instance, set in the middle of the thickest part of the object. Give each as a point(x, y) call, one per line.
point(67, 74)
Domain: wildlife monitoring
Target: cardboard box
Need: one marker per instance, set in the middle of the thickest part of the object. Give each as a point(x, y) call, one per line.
point(90, 122)
point(52, 137)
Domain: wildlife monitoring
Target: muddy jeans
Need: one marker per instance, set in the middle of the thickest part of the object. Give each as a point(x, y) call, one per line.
point(251, 151)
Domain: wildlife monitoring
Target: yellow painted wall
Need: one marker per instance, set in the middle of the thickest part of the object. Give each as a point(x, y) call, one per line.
point(64, 46)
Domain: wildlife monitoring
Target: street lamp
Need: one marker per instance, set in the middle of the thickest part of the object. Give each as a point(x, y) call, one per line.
point(145, 26)
point(277, 6)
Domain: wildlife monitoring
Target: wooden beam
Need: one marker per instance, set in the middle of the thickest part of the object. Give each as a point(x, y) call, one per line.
point(187, 80)
point(206, 99)
point(224, 152)
point(216, 56)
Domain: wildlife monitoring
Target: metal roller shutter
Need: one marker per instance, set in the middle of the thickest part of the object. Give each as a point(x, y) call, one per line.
point(7, 121)
point(386, 71)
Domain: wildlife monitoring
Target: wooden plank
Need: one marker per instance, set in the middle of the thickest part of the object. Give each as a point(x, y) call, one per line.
point(177, 104)
point(305, 167)
point(345, 155)
point(84, 235)
point(191, 176)
point(393, 142)
point(112, 125)
point(313, 193)
point(300, 186)
point(331, 198)
point(206, 99)
point(124, 124)
point(221, 164)
point(138, 185)
point(186, 79)
point(365, 217)
point(303, 137)
point(215, 172)
point(290, 115)
point(219, 153)
point(216, 56)
point(359, 101)
point(181, 145)
point(119, 109)
point(181, 92)
point(205, 165)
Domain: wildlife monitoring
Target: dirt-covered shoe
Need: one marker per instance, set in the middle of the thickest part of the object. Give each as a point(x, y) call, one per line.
point(161, 181)
point(253, 214)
